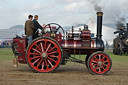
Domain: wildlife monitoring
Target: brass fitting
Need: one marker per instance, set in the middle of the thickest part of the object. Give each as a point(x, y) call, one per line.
point(99, 13)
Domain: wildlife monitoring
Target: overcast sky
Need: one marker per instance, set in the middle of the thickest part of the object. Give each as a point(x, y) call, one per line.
point(63, 12)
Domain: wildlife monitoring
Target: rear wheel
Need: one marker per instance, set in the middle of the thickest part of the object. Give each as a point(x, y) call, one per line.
point(99, 63)
point(44, 54)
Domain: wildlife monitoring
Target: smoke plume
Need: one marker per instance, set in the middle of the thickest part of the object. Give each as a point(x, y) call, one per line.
point(120, 21)
point(96, 5)
point(116, 13)
point(97, 8)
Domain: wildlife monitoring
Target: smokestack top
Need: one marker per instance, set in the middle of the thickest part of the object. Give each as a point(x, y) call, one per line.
point(99, 25)
point(99, 13)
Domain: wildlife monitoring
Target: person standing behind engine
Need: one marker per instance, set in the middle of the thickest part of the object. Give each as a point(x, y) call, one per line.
point(36, 26)
point(29, 28)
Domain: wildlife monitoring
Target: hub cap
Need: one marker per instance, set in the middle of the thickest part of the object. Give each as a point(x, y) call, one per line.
point(44, 55)
point(99, 63)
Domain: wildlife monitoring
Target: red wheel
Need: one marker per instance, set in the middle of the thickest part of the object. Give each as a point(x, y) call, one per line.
point(99, 63)
point(44, 55)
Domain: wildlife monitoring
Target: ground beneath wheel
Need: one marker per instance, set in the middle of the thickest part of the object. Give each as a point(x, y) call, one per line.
point(70, 74)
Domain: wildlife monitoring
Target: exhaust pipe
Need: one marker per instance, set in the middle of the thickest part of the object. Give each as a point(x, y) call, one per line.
point(99, 25)
point(99, 41)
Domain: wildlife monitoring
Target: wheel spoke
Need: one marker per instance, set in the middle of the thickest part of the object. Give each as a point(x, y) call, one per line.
point(99, 57)
point(48, 47)
point(95, 58)
point(94, 64)
point(41, 46)
point(37, 47)
point(51, 49)
point(58, 28)
point(35, 61)
point(53, 56)
point(39, 62)
point(96, 67)
point(42, 66)
point(52, 52)
point(34, 54)
point(49, 27)
point(103, 59)
point(36, 50)
point(35, 57)
point(94, 61)
point(46, 63)
point(51, 59)
point(102, 67)
point(50, 63)
point(105, 65)
point(99, 69)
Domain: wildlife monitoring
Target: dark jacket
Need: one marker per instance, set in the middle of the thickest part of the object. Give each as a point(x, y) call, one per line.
point(29, 28)
point(36, 27)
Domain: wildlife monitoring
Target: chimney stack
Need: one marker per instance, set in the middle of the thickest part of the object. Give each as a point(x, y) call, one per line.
point(99, 25)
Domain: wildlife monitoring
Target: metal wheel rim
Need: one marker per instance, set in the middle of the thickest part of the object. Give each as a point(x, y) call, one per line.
point(36, 52)
point(100, 63)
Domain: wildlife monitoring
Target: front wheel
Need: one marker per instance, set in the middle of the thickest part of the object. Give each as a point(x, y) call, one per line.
point(99, 63)
point(44, 54)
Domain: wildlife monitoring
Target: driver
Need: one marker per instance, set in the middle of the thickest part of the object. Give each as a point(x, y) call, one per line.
point(36, 26)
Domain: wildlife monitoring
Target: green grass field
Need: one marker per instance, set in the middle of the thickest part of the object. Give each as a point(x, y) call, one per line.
point(74, 73)
point(118, 58)
point(7, 54)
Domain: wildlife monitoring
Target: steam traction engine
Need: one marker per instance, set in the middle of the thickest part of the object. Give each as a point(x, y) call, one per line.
point(53, 48)
point(120, 43)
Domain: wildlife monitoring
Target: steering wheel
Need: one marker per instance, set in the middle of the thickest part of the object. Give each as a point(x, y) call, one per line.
point(55, 25)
